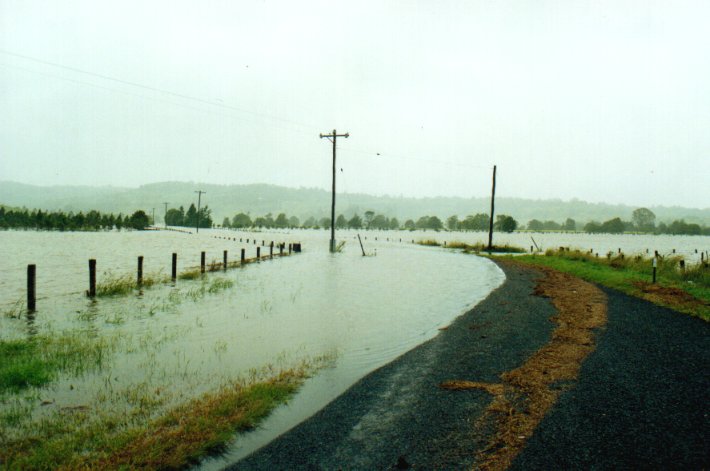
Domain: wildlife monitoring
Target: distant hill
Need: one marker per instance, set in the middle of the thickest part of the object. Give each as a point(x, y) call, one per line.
point(260, 199)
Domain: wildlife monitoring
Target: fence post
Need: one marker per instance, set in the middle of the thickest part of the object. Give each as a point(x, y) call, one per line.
point(92, 278)
point(140, 270)
point(243, 257)
point(654, 269)
point(31, 293)
point(202, 262)
point(281, 249)
point(258, 252)
point(225, 260)
point(271, 250)
point(173, 272)
point(289, 249)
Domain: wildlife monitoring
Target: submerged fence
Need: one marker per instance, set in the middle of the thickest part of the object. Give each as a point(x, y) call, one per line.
point(192, 272)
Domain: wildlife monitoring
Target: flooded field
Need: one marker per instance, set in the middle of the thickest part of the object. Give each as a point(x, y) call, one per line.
point(147, 351)
point(173, 342)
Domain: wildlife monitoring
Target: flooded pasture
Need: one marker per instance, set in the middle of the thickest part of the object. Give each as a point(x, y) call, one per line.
point(174, 341)
point(150, 350)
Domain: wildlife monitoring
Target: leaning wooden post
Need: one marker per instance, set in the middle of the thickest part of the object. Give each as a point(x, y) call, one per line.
point(173, 272)
point(92, 278)
point(202, 262)
point(31, 292)
point(140, 270)
point(225, 260)
point(243, 257)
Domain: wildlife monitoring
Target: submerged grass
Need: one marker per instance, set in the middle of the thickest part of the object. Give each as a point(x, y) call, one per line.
point(684, 290)
point(37, 361)
point(112, 285)
point(176, 438)
point(472, 248)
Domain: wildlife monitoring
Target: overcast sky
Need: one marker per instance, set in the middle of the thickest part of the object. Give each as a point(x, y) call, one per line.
point(596, 100)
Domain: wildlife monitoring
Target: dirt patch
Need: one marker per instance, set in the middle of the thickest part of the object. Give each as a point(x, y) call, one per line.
point(668, 295)
point(527, 393)
point(460, 385)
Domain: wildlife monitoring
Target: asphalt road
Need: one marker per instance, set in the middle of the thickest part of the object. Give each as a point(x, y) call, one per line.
point(641, 401)
point(399, 415)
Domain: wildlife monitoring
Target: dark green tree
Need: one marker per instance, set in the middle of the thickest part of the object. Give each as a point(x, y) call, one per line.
point(505, 223)
point(281, 221)
point(535, 225)
point(613, 226)
point(190, 219)
point(241, 220)
point(139, 220)
point(452, 223)
point(175, 217)
point(644, 219)
point(355, 222)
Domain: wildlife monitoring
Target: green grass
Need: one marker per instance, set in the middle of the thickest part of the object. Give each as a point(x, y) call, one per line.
point(22, 367)
point(686, 291)
point(112, 285)
point(37, 361)
point(176, 438)
point(190, 274)
point(472, 248)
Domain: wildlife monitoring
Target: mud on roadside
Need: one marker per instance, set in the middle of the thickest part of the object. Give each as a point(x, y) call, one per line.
point(525, 394)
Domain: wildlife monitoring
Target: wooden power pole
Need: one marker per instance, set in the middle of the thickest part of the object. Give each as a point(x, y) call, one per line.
point(199, 197)
point(166, 214)
point(490, 223)
point(332, 138)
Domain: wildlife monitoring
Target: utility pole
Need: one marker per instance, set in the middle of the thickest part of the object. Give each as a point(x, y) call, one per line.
point(199, 197)
point(332, 138)
point(166, 214)
point(493, 200)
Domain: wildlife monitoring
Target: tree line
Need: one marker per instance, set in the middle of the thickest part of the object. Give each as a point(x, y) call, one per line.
point(642, 220)
point(61, 221)
point(370, 221)
point(189, 218)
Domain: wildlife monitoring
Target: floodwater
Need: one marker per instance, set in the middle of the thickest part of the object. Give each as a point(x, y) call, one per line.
point(189, 338)
point(195, 335)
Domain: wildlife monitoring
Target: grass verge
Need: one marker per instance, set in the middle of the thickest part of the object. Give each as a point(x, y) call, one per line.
point(684, 290)
point(82, 438)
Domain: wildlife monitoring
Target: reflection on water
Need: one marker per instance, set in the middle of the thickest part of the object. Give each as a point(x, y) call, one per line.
point(193, 336)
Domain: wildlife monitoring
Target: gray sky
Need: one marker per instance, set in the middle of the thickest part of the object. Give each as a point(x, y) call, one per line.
point(596, 100)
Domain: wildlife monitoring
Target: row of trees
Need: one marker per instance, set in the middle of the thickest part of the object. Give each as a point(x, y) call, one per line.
point(617, 226)
point(61, 221)
point(371, 221)
point(481, 222)
point(179, 217)
point(643, 220)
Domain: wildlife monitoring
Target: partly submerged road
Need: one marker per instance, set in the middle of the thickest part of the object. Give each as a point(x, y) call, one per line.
point(640, 400)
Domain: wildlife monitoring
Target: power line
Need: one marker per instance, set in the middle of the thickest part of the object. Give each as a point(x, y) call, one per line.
point(154, 89)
